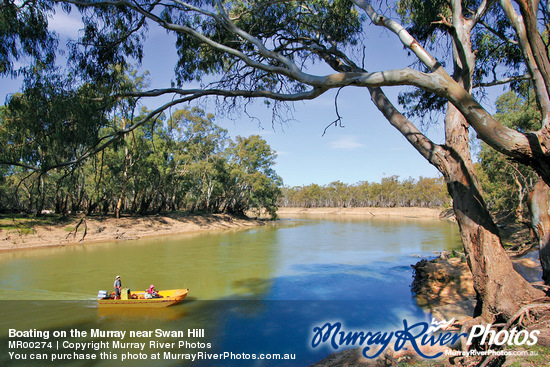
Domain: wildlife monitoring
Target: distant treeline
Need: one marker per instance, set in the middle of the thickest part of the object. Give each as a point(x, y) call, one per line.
point(185, 162)
point(390, 192)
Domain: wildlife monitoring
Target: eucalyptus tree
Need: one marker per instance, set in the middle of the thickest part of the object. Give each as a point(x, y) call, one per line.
point(489, 47)
point(265, 49)
point(253, 183)
point(48, 125)
point(200, 145)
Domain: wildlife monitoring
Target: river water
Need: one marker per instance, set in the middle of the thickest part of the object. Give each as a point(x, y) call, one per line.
point(253, 292)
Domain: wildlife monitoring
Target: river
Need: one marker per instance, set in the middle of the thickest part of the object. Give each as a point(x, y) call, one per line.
point(252, 292)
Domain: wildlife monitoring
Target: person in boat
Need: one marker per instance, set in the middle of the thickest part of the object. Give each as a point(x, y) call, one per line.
point(153, 293)
point(118, 287)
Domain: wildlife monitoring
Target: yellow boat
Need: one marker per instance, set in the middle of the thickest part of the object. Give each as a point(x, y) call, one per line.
point(138, 299)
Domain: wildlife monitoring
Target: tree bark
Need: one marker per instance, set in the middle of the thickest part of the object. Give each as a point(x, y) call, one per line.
point(539, 208)
point(501, 291)
point(118, 207)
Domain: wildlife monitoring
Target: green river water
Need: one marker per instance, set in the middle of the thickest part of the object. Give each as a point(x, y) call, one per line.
point(260, 290)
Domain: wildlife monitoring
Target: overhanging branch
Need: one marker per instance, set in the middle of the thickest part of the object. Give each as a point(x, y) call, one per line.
point(504, 81)
point(189, 95)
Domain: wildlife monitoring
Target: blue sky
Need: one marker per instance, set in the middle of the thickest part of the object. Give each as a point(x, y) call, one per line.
point(366, 148)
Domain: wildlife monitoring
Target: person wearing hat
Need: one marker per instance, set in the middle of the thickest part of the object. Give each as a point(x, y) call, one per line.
point(118, 287)
point(152, 291)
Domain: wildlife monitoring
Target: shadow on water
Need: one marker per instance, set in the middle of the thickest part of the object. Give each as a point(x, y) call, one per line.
point(249, 322)
point(244, 326)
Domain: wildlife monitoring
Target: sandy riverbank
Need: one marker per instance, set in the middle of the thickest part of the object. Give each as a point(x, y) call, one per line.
point(106, 228)
point(427, 213)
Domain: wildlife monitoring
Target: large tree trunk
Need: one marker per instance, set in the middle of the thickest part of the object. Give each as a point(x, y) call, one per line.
point(121, 198)
point(539, 207)
point(501, 291)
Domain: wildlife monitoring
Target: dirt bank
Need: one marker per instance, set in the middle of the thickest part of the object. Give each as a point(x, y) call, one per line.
point(22, 234)
point(427, 213)
point(26, 233)
point(445, 287)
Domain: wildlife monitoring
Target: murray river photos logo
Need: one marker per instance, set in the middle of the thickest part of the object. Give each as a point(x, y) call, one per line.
point(416, 335)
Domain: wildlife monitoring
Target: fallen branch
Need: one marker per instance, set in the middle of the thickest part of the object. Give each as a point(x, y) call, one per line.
point(82, 221)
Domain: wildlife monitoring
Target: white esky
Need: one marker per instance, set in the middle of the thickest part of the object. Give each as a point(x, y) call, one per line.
point(366, 148)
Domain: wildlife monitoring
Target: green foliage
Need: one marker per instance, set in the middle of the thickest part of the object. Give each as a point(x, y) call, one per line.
point(110, 36)
point(505, 182)
point(23, 32)
point(390, 192)
point(422, 17)
point(50, 122)
point(185, 162)
point(518, 109)
point(494, 55)
point(422, 21)
point(255, 182)
point(321, 22)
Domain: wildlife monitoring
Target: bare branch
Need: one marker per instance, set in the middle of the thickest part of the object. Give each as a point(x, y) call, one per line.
point(481, 11)
point(504, 81)
point(499, 34)
point(261, 47)
point(196, 93)
point(540, 86)
point(415, 137)
point(443, 21)
point(338, 121)
point(408, 41)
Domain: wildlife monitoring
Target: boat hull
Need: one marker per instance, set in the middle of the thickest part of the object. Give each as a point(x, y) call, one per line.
point(169, 298)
